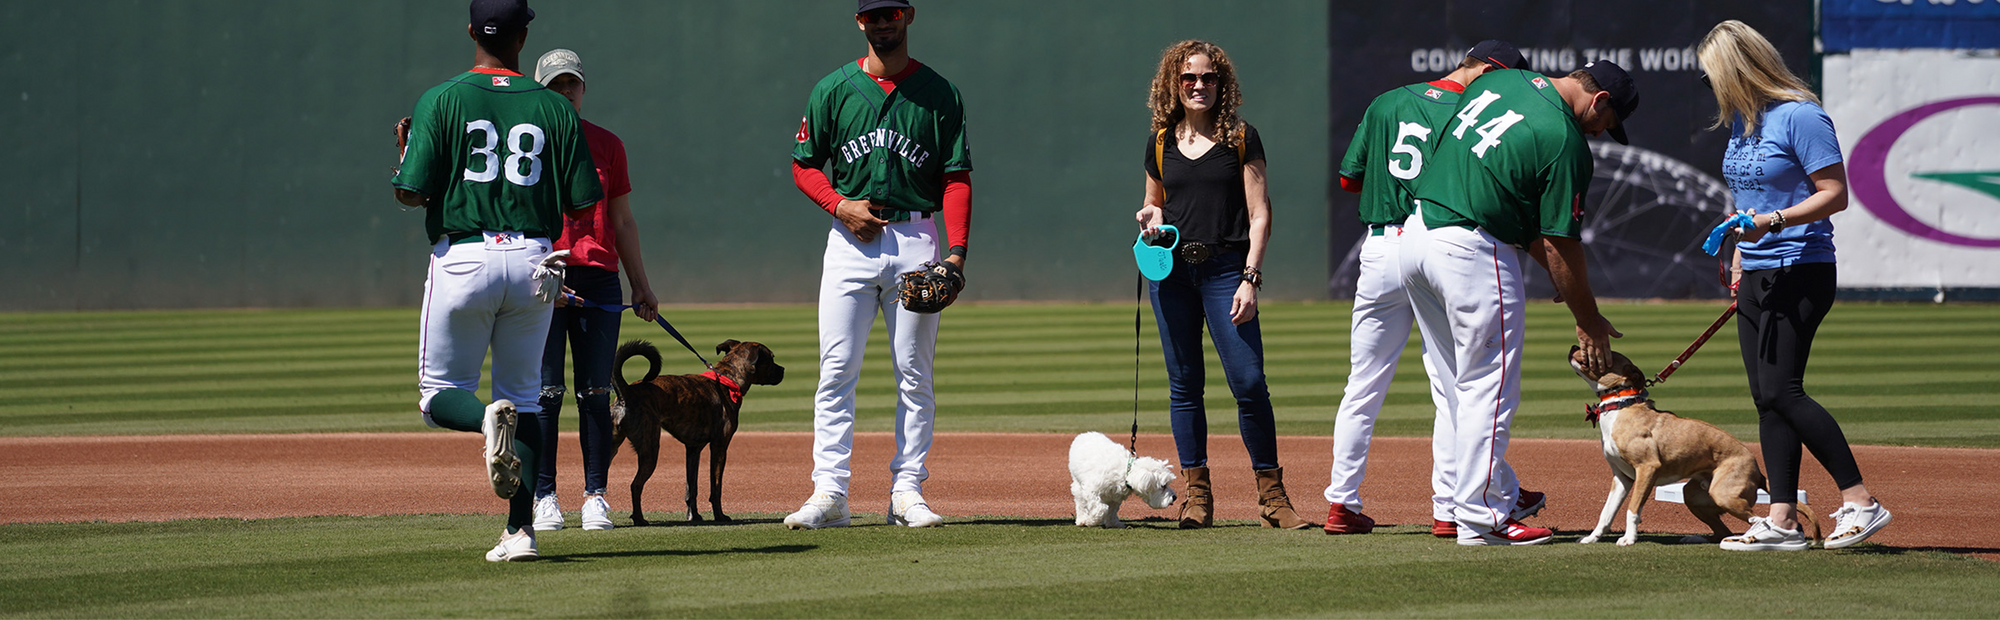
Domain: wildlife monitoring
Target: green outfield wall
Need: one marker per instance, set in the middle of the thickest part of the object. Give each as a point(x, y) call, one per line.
point(213, 153)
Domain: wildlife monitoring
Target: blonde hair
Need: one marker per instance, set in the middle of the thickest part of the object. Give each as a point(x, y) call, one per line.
point(1747, 74)
point(1165, 98)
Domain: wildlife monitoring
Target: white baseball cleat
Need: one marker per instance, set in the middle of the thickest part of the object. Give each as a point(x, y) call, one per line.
point(821, 510)
point(516, 547)
point(502, 466)
point(548, 514)
point(1854, 523)
point(1762, 536)
point(908, 508)
point(596, 513)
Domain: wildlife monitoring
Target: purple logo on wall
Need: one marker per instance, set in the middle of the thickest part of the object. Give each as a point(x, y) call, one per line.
point(1871, 158)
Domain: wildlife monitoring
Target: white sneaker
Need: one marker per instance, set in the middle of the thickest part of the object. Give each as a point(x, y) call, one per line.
point(502, 466)
point(1854, 523)
point(596, 513)
point(908, 508)
point(516, 547)
point(1762, 536)
point(548, 514)
point(821, 510)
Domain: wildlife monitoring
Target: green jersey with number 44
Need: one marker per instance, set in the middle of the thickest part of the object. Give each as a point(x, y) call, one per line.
point(1387, 153)
point(1512, 161)
point(890, 148)
point(495, 151)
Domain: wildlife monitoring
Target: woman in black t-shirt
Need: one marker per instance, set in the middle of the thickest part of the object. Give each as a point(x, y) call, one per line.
point(1205, 176)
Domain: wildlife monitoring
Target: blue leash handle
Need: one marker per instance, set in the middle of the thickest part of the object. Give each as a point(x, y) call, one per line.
point(657, 318)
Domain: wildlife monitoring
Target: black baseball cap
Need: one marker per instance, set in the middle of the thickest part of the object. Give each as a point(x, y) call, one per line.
point(1624, 95)
point(1498, 53)
point(501, 16)
point(870, 5)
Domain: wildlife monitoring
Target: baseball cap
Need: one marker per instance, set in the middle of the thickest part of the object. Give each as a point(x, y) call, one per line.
point(557, 62)
point(870, 5)
point(501, 16)
point(1498, 52)
point(1624, 95)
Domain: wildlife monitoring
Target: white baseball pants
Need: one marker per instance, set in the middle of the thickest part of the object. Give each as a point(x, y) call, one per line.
point(858, 280)
point(1466, 284)
point(480, 295)
point(1380, 330)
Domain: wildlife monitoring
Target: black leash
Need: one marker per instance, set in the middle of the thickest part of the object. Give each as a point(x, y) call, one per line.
point(657, 318)
point(1137, 308)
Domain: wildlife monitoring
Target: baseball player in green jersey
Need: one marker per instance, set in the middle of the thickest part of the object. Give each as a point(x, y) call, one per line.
point(1383, 162)
point(1507, 177)
point(890, 135)
point(495, 159)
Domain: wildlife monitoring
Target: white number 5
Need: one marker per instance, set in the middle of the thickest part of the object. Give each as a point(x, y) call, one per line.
point(487, 147)
point(1405, 131)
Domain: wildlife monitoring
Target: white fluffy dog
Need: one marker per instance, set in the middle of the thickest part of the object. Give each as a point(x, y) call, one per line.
point(1102, 474)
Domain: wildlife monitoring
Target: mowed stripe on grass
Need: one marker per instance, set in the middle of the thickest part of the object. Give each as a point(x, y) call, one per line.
point(1892, 373)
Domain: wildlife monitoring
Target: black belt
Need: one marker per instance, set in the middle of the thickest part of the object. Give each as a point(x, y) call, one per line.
point(1195, 252)
point(899, 215)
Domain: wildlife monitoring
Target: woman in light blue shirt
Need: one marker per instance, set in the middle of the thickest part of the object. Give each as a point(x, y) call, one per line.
point(1784, 167)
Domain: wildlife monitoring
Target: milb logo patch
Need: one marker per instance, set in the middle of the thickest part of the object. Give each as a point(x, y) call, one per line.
point(500, 80)
point(1433, 93)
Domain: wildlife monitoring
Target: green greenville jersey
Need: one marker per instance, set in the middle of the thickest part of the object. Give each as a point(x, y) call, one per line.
point(497, 152)
point(1512, 161)
point(888, 148)
point(1387, 153)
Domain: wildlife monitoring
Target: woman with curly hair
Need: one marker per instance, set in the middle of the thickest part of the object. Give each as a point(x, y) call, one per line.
point(1205, 176)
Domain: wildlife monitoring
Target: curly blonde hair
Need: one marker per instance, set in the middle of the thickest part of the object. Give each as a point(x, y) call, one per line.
point(1165, 99)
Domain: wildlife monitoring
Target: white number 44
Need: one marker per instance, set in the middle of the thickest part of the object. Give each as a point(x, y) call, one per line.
point(1490, 132)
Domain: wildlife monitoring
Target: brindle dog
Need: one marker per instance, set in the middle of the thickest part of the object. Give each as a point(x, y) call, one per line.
point(698, 410)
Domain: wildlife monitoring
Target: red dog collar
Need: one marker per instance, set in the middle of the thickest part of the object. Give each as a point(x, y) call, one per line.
point(1613, 402)
point(735, 391)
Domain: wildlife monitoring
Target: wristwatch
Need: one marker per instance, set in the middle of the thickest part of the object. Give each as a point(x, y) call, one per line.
point(1254, 276)
point(1777, 220)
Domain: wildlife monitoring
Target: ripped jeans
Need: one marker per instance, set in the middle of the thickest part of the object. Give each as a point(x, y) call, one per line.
point(593, 335)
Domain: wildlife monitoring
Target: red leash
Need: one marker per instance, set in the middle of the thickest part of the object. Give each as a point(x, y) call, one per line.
point(1719, 321)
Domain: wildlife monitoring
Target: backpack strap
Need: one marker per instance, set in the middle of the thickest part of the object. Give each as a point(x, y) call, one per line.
point(1160, 153)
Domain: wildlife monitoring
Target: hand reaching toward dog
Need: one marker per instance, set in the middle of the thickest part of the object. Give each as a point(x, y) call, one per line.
point(1594, 336)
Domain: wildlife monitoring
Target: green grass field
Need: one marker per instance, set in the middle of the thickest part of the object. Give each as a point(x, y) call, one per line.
point(1893, 374)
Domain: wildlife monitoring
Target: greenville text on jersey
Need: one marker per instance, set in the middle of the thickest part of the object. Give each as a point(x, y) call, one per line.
point(898, 143)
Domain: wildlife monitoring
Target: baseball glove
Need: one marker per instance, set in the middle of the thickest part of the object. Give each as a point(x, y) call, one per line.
point(932, 287)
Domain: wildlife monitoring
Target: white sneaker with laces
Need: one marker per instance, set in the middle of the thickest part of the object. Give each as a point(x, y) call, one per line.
point(1763, 536)
point(1854, 523)
point(908, 508)
point(548, 513)
point(516, 547)
point(502, 466)
point(596, 513)
point(821, 510)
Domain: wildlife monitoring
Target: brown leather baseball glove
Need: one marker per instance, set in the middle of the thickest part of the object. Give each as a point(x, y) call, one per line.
point(932, 287)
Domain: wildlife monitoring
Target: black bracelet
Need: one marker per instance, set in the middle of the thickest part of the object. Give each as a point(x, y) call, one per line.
point(958, 251)
point(1254, 276)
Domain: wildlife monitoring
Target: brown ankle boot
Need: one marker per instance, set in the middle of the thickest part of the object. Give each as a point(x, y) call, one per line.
point(1197, 505)
point(1277, 508)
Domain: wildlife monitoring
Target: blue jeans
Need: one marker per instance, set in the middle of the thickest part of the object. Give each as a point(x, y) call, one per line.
point(1189, 296)
point(593, 334)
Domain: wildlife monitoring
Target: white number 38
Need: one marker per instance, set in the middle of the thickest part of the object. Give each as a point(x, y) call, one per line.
point(521, 154)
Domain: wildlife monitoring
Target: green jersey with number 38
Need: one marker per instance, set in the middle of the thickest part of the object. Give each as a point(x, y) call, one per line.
point(1512, 161)
point(891, 148)
point(1388, 150)
point(495, 151)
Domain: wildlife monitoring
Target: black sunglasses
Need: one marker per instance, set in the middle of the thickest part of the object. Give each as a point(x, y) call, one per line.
point(1189, 80)
point(1705, 82)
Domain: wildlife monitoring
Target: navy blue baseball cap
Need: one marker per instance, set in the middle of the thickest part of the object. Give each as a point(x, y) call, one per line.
point(501, 16)
point(1498, 53)
point(1613, 79)
point(865, 6)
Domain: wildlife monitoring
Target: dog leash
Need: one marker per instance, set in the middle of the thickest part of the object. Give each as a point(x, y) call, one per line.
point(1137, 309)
point(1723, 237)
point(657, 318)
point(1712, 328)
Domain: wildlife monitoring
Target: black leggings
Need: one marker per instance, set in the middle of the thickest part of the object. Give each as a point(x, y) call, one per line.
point(1778, 311)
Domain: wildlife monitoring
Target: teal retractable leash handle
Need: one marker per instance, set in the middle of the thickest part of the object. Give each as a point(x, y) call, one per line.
point(1156, 262)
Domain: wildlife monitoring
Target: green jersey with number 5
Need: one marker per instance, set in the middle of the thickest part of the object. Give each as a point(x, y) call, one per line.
point(1512, 161)
point(495, 151)
point(1388, 150)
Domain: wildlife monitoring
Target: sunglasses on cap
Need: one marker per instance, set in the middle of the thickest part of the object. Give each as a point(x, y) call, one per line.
point(891, 14)
point(1189, 80)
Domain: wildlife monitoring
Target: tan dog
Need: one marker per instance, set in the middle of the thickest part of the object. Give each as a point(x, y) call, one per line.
point(698, 410)
point(1648, 447)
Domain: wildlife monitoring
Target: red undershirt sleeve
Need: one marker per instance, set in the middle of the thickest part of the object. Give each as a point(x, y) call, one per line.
point(957, 207)
point(816, 186)
point(1352, 186)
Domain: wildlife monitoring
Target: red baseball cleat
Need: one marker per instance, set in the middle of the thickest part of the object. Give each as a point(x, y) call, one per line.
point(1444, 529)
point(1340, 520)
point(1529, 503)
point(1513, 533)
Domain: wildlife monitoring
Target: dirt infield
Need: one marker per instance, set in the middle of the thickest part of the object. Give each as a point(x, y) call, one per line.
point(157, 478)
